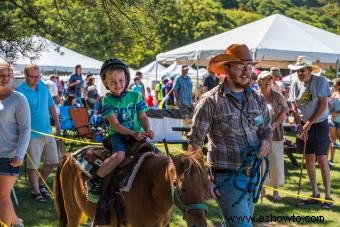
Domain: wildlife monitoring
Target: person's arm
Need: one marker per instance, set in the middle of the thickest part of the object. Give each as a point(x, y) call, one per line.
point(201, 123)
point(284, 110)
point(115, 124)
point(266, 132)
point(176, 89)
point(73, 82)
point(23, 116)
point(54, 115)
point(144, 120)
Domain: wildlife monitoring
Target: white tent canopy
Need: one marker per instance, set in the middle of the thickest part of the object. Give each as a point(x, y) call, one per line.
point(152, 69)
point(175, 68)
point(59, 59)
point(276, 38)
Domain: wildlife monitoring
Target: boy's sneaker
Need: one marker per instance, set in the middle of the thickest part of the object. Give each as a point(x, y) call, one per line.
point(93, 189)
point(44, 192)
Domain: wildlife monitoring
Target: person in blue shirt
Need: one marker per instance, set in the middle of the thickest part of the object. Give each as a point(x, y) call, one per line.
point(40, 147)
point(183, 89)
point(75, 84)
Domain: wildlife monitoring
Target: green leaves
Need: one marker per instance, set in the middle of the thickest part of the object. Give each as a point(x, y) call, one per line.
point(136, 30)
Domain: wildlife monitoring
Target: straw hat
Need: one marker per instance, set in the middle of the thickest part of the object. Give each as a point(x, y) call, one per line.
point(303, 62)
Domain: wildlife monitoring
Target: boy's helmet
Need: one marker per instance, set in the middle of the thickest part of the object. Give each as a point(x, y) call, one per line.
point(115, 62)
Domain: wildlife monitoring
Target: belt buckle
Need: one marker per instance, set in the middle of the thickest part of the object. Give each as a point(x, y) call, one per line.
point(247, 171)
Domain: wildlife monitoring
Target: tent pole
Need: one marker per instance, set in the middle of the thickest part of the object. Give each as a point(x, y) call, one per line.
point(337, 69)
point(156, 69)
point(253, 51)
point(197, 66)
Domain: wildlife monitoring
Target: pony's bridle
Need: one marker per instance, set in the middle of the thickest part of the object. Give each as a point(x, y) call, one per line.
point(176, 194)
point(184, 208)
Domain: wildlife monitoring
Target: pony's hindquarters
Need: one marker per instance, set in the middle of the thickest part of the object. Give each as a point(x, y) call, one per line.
point(68, 210)
point(58, 195)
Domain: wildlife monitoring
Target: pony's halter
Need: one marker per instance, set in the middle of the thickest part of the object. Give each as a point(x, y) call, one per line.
point(185, 208)
point(176, 194)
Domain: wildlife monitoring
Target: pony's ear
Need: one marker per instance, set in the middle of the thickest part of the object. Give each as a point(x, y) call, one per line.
point(178, 162)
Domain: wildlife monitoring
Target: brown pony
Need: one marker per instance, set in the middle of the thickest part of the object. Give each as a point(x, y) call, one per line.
point(160, 183)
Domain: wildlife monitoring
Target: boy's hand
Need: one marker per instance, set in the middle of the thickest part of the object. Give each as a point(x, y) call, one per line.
point(150, 134)
point(139, 136)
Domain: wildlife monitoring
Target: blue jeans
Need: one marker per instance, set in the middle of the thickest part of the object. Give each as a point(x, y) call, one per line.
point(229, 195)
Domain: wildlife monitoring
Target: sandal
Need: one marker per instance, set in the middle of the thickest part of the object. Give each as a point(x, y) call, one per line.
point(310, 201)
point(44, 192)
point(276, 198)
point(38, 197)
point(328, 205)
point(19, 223)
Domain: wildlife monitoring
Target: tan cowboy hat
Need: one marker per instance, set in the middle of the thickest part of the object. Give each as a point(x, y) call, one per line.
point(303, 62)
point(234, 53)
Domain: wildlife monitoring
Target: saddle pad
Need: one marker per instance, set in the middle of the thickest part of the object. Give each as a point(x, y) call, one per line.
point(126, 182)
point(80, 161)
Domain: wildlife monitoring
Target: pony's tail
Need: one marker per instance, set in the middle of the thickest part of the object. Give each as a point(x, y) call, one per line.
point(58, 194)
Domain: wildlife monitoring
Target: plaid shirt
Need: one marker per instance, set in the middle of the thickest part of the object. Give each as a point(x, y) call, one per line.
point(183, 86)
point(231, 126)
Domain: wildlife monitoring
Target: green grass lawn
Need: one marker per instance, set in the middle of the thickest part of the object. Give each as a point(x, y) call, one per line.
point(43, 214)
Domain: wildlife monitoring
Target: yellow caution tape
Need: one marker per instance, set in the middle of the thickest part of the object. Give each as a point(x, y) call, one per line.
point(83, 219)
point(67, 139)
point(42, 179)
point(3, 224)
point(301, 196)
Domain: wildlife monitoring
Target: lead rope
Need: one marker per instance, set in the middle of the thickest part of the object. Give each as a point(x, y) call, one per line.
point(251, 161)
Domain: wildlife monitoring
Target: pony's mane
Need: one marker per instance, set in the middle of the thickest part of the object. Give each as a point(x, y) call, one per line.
point(194, 165)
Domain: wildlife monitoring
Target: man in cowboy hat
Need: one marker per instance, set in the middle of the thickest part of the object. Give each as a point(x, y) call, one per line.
point(235, 117)
point(309, 97)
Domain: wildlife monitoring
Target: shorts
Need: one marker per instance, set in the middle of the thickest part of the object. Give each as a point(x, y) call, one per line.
point(318, 139)
point(42, 149)
point(334, 124)
point(6, 169)
point(118, 143)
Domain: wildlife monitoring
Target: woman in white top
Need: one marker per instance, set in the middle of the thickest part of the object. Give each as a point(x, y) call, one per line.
point(15, 126)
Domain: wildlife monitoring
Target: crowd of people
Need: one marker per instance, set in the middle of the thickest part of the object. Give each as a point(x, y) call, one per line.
point(241, 113)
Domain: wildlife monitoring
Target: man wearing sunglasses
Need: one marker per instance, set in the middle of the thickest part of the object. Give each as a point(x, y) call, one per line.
point(309, 96)
point(41, 147)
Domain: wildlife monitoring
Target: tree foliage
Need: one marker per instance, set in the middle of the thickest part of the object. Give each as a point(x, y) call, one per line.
point(136, 30)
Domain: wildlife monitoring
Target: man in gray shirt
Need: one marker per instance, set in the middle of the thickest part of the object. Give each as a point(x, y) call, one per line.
point(309, 97)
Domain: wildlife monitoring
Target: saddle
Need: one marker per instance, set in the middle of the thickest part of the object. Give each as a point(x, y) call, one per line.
point(97, 155)
point(120, 179)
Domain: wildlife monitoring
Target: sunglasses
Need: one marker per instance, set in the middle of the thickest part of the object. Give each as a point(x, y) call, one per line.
point(34, 77)
point(301, 70)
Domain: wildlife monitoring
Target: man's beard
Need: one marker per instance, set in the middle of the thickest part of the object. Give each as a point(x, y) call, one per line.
point(237, 84)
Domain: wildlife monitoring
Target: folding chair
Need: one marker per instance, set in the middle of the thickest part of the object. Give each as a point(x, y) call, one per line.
point(80, 118)
point(15, 198)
